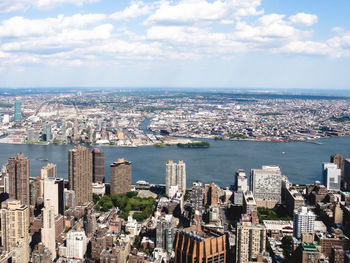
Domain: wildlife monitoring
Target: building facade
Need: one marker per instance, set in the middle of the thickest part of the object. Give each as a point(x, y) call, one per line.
point(331, 176)
point(303, 222)
point(48, 231)
point(120, 177)
point(18, 111)
point(98, 166)
point(175, 175)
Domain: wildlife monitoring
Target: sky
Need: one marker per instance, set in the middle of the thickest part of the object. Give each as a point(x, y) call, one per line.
point(279, 44)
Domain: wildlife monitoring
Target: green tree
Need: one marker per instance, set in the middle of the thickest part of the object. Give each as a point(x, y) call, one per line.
point(287, 246)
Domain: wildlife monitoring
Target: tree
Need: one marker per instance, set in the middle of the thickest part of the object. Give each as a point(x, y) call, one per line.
point(287, 246)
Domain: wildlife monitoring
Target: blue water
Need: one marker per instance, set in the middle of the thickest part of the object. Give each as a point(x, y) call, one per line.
point(301, 161)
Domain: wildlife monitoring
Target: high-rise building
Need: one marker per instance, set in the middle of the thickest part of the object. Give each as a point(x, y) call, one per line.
point(338, 159)
point(54, 191)
point(266, 184)
point(80, 174)
point(46, 132)
point(120, 176)
point(250, 241)
point(48, 171)
point(14, 228)
point(241, 181)
point(18, 170)
point(200, 244)
point(175, 174)
point(331, 176)
point(76, 244)
point(347, 174)
point(303, 222)
point(98, 166)
point(165, 233)
point(196, 196)
point(211, 194)
point(48, 231)
point(18, 111)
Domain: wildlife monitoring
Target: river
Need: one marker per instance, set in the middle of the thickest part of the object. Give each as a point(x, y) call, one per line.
point(300, 161)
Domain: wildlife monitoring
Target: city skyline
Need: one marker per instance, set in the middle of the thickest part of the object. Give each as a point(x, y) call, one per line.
point(250, 44)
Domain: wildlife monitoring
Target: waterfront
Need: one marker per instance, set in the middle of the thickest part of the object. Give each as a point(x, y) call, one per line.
point(300, 161)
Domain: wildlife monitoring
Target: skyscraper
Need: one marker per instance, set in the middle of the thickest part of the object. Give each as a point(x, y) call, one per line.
point(338, 159)
point(18, 170)
point(18, 111)
point(165, 233)
point(14, 228)
point(54, 191)
point(98, 166)
point(331, 176)
point(211, 194)
point(266, 184)
point(175, 174)
point(48, 171)
point(347, 174)
point(120, 177)
point(303, 222)
point(80, 174)
point(48, 231)
point(241, 181)
point(46, 132)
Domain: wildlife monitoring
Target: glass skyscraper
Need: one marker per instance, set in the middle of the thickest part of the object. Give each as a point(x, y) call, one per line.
point(18, 111)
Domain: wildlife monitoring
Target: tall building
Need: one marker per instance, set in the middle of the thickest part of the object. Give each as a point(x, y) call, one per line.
point(331, 176)
point(211, 194)
point(98, 166)
point(48, 171)
point(347, 174)
point(48, 231)
point(165, 233)
point(196, 196)
point(250, 241)
point(80, 174)
point(120, 177)
point(18, 111)
point(46, 132)
point(266, 184)
point(241, 181)
point(175, 175)
point(200, 244)
point(54, 191)
point(303, 222)
point(18, 170)
point(14, 228)
point(338, 159)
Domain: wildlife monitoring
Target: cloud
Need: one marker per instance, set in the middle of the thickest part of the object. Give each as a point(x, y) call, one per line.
point(22, 5)
point(136, 9)
point(189, 12)
point(303, 19)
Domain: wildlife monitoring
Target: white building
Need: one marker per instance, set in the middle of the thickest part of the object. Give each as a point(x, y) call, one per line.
point(76, 244)
point(175, 174)
point(48, 231)
point(303, 221)
point(132, 226)
point(241, 181)
point(331, 176)
point(51, 192)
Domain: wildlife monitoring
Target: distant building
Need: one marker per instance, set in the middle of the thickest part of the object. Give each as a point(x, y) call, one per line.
point(46, 132)
point(303, 222)
point(120, 177)
point(200, 244)
point(175, 174)
point(18, 170)
point(80, 174)
point(331, 176)
point(98, 166)
point(165, 233)
point(266, 184)
point(14, 228)
point(347, 174)
point(18, 111)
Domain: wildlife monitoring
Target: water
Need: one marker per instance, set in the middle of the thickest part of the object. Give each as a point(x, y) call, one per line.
point(301, 162)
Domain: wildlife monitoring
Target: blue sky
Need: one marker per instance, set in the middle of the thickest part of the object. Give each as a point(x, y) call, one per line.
point(175, 43)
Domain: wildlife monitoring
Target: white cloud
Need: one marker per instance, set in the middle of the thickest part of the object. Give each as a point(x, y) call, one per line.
point(136, 9)
point(22, 5)
point(303, 19)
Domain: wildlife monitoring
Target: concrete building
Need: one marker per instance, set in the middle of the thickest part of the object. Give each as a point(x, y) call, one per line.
point(293, 199)
point(76, 244)
point(80, 174)
point(121, 176)
point(18, 171)
point(165, 233)
point(48, 171)
point(175, 174)
point(54, 190)
point(48, 231)
point(303, 221)
point(211, 194)
point(98, 166)
point(266, 184)
point(338, 159)
point(200, 244)
point(196, 196)
point(250, 241)
point(241, 181)
point(249, 203)
point(331, 176)
point(14, 228)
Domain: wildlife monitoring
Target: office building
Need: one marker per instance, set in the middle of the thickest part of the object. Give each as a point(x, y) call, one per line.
point(331, 176)
point(18, 170)
point(306, 253)
point(54, 190)
point(266, 185)
point(200, 244)
point(46, 132)
point(48, 171)
point(303, 222)
point(241, 181)
point(250, 241)
point(14, 228)
point(18, 111)
point(98, 166)
point(48, 231)
point(165, 233)
point(120, 177)
point(338, 159)
point(80, 174)
point(347, 174)
point(175, 174)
